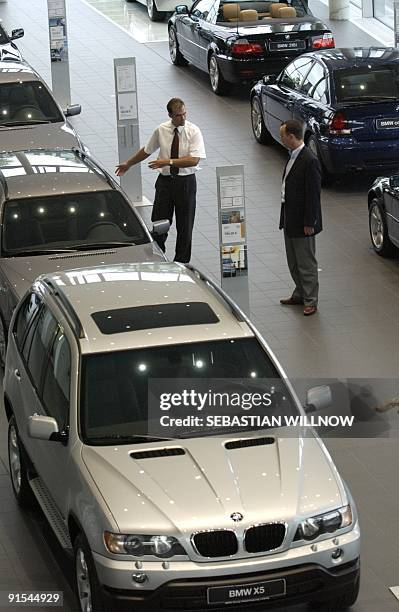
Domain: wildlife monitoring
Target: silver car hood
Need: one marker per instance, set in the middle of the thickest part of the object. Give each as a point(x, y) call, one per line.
point(21, 272)
point(199, 490)
point(40, 136)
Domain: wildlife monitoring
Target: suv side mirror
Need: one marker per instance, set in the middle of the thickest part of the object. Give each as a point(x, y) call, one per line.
point(18, 33)
point(394, 181)
point(73, 109)
point(269, 79)
point(318, 398)
point(160, 227)
point(43, 427)
point(181, 9)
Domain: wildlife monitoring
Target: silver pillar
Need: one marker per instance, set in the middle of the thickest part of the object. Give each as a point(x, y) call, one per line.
point(59, 55)
point(339, 9)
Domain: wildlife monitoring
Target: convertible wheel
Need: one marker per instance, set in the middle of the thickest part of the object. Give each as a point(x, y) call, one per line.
point(153, 12)
point(259, 128)
point(175, 55)
point(18, 469)
point(327, 178)
point(219, 85)
point(86, 581)
point(379, 230)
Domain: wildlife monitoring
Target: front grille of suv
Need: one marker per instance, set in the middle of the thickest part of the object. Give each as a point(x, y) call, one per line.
point(219, 543)
point(264, 538)
point(223, 542)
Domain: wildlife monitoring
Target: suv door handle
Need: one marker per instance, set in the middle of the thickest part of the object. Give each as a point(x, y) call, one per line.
point(17, 374)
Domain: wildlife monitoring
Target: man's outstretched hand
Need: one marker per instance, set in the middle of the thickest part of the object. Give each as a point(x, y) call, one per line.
point(121, 169)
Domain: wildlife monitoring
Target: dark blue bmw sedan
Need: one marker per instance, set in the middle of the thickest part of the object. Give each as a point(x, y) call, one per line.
point(348, 100)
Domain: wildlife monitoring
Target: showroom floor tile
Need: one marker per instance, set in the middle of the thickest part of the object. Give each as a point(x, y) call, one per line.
point(355, 333)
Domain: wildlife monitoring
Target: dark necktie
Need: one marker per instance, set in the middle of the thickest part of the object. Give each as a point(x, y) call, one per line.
point(174, 152)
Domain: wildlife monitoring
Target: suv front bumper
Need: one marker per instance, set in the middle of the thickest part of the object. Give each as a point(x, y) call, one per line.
point(304, 583)
point(310, 574)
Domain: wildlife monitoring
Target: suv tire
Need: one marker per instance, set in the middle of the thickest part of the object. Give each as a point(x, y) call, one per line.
point(87, 585)
point(18, 467)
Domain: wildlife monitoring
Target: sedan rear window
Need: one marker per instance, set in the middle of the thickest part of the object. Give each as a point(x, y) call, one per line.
point(72, 221)
point(367, 84)
point(27, 102)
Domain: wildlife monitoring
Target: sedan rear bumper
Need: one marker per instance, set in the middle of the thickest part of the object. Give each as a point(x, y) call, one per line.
point(345, 154)
point(236, 70)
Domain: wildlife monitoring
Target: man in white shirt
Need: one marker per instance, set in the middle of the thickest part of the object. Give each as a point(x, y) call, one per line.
point(180, 146)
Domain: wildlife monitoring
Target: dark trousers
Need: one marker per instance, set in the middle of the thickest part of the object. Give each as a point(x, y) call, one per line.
point(176, 195)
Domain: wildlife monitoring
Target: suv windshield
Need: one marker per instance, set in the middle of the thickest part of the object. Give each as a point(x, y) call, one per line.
point(114, 396)
point(70, 221)
point(27, 102)
point(362, 84)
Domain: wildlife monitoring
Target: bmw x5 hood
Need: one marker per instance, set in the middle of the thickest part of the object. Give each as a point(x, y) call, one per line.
point(40, 136)
point(201, 487)
point(21, 272)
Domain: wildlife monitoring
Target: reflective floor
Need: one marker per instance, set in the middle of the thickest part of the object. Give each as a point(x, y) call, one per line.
point(355, 333)
point(132, 17)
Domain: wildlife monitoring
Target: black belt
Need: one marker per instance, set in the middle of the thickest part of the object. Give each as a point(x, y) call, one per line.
point(173, 177)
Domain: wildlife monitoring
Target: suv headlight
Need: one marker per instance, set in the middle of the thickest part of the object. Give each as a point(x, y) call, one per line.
point(315, 526)
point(139, 545)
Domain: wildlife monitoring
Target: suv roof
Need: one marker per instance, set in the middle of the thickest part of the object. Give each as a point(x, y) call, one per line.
point(15, 72)
point(119, 293)
point(40, 172)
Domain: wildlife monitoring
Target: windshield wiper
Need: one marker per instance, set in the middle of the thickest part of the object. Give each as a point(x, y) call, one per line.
point(368, 99)
point(13, 124)
point(134, 438)
point(102, 245)
point(41, 252)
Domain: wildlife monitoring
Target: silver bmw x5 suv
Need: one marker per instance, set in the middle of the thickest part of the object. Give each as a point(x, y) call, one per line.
point(210, 520)
point(60, 209)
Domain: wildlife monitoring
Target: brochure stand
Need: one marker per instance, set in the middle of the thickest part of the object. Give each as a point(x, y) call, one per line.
point(232, 234)
point(127, 119)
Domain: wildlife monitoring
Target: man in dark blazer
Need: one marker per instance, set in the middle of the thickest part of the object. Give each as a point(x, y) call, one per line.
point(300, 216)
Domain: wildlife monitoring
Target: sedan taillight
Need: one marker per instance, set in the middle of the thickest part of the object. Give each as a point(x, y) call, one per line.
point(245, 48)
point(324, 42)
point(339, 125)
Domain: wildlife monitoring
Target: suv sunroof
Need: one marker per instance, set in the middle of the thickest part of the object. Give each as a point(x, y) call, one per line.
point(150, 317)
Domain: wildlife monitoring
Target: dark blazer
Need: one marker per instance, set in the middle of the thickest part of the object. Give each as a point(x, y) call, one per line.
point(302, 196)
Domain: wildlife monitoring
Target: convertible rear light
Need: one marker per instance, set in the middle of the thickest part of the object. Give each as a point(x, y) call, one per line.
point(245, 48)
point(339, 125)
point(324, 42)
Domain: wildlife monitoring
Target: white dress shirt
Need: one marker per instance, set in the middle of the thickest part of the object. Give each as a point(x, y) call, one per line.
point(291, 161)
point(191, 144)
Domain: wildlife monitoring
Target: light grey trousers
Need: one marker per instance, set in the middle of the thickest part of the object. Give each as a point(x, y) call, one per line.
point(302, 263)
